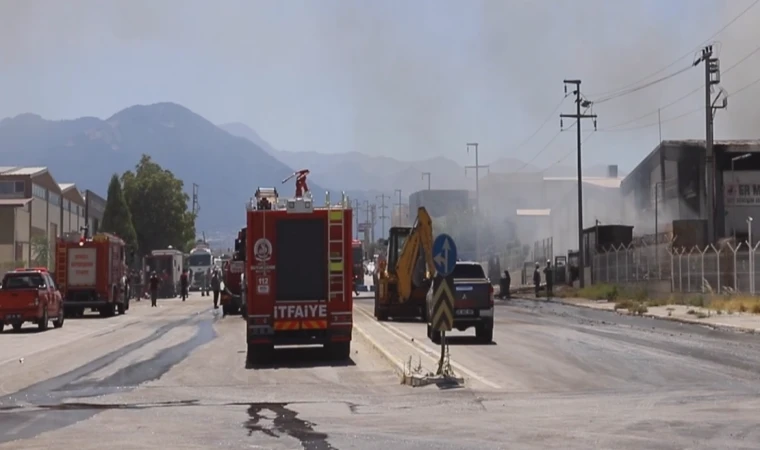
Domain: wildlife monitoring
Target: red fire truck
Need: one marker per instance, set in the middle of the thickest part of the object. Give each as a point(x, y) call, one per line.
point(298, 275)
point(90, 273)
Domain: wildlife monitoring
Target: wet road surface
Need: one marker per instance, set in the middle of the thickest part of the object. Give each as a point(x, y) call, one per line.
point(556, 377)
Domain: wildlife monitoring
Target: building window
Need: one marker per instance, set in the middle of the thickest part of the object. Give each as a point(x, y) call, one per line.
point(76, 209)
point(39, 191)
point(54, 199)
point(67, 205)
point(14, 188)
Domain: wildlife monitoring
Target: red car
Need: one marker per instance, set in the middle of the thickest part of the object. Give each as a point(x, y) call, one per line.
point(30, 295)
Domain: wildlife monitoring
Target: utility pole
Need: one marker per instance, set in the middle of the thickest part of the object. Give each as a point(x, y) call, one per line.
point(367, 226)
point(578, 116)
point(712, 77)
point(374, 222)
point(477, 168)
point(382, 198)
point(356, 216)
point(426, 174)
point(401, 215)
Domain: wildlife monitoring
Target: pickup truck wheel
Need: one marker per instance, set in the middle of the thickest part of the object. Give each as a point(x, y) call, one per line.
point(58, 322)
point(16, 326)
point(43, 323)
point(2, 325)
point(484, 334)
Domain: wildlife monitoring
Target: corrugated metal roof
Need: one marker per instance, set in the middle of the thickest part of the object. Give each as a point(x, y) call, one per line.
point(65, 186)
point(6, 169)
point(14, 201)
point(534, 212)
point(26, 171)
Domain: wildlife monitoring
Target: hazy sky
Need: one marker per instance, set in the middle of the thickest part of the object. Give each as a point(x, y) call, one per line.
point(400, 78)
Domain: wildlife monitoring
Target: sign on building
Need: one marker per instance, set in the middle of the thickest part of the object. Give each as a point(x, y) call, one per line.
point(741, 188)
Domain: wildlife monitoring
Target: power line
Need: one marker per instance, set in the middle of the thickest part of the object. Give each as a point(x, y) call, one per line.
point(571, 152)
point(554, 138)
point(680, 116)
point(546, 121)
point(644, 86)
point(690, 52)
point(679, 99)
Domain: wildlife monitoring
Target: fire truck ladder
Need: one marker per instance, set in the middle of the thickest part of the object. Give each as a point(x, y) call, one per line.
point(336, 249)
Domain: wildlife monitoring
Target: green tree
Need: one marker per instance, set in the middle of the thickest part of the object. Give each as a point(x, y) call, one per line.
point(40, 251)
point(158, 205)
point(117, 218)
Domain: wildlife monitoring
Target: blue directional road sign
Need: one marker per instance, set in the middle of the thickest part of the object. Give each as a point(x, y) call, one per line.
point(444, 254)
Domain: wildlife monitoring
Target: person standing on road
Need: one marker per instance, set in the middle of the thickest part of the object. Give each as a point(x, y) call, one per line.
point(549, 276)
point(504, 285)
point(154, 282)
point(216, 286)
point(205, 282)
point(537, 279)
point(183, 285)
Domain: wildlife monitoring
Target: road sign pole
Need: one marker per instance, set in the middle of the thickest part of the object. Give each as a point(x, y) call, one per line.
point(442, 361)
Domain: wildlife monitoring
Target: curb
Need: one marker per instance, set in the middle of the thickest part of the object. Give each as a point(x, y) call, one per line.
point(715, 326)
point(405, 378)
point(398, 367)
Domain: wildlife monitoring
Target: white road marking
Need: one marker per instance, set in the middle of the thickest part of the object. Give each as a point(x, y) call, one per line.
point(428, 352)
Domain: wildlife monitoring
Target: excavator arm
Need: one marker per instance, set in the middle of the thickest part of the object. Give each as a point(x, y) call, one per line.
point(420, 240)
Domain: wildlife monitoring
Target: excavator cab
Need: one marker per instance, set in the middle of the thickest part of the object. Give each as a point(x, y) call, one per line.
point(396, 240)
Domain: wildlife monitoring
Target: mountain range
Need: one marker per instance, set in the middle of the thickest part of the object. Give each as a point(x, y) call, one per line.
point(358, 171)
point(227, 161)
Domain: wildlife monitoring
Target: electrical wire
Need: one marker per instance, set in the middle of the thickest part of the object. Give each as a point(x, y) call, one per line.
point(679, 99)
point(643, 86)
point(680, 116)
point(690, 52)
point(548, 119)
point(571, 152)
point(554, 138)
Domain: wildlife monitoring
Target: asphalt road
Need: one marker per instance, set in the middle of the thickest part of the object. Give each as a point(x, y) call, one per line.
point(557, 377)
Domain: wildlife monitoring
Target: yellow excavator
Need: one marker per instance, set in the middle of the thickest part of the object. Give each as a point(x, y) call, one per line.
point(403, 278)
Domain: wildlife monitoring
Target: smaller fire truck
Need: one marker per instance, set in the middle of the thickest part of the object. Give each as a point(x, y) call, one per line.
point(298, 273)
point(233, 271)
point(30, 295)
point(91, 273)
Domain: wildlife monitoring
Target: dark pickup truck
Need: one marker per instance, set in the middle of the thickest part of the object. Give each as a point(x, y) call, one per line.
point(473, 302)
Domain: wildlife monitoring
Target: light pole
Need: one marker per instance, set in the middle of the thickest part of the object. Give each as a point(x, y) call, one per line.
point(733, 179)
point(751, 257)
point(426, 174)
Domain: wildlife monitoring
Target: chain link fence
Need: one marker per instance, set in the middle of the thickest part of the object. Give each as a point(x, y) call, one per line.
point(722, 268)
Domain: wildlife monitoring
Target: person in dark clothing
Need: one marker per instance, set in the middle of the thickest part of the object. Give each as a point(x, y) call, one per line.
point(154, 282)
point(504, 285)
point(537, 278)
point(216, 286)
point(183, 283)
point(549, 276)
point(128, 285)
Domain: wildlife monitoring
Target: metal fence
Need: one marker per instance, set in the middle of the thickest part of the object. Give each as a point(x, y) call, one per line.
point(719, 268)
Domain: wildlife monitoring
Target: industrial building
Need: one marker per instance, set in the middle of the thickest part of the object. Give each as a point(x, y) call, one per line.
point(36, 209)
point(543, 206)
point(670, 183)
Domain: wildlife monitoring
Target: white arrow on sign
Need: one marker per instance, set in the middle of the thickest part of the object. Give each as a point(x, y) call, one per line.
point(443, 257)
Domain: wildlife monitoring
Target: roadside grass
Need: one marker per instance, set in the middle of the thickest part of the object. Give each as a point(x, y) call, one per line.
point(638, 300)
